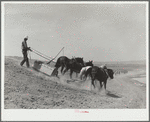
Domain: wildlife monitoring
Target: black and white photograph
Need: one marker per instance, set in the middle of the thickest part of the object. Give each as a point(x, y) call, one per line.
point(74, 60)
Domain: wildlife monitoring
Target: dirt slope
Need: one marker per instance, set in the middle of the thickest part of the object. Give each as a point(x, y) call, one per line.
point(28, 89)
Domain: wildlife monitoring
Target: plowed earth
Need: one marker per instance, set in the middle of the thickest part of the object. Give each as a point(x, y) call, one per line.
point(25, 88)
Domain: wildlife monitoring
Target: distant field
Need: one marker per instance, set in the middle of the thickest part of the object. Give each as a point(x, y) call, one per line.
point(124, 67)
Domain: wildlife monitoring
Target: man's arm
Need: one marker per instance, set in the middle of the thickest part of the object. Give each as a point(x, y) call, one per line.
point(29, 48)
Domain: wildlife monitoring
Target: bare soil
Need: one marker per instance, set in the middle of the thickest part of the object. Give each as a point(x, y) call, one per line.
point(25, 88)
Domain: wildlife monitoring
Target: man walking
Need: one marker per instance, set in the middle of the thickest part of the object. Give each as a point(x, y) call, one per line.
point(25, 48)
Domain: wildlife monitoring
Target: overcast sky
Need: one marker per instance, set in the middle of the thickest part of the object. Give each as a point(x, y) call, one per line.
point(99, 32)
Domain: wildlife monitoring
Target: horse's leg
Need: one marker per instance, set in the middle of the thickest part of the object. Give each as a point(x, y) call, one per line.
point(65, 70)
point(84, 77)
point(54, 71)
point(81, 75)
point(62, 69)
point(57, 73)
point(76, 74)
point(71, 71)
point(105, 82)
point(89, 77)
point(92, 83)
point(100, 85)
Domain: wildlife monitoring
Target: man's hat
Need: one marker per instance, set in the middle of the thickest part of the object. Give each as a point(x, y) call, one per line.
point(26, 37)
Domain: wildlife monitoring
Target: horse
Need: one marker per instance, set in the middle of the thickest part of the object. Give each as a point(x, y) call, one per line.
point(80, 60)
point(75, 67)
point(99, 74)
point(62, 62)
point(83, 71)
point(90, 63)
point(67, 63)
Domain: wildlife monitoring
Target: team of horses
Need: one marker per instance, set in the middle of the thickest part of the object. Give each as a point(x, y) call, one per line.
point(84, 69)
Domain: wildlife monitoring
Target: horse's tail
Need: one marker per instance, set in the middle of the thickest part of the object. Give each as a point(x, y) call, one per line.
point(58, 63)
point(55, 72)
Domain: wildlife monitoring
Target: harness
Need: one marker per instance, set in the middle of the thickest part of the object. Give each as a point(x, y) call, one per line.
point(106, 72)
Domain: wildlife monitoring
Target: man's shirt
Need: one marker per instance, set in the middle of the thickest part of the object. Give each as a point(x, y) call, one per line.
point(24, 46)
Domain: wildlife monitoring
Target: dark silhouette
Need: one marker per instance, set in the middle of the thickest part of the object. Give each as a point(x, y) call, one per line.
point(75, 67)
point(65, 62)
point(99, 74)
point(90, 63)
point(79, 60)
point(25, 49)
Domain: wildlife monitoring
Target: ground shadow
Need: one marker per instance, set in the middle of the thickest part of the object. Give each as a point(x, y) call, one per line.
point(112, 95)
point(75, 80)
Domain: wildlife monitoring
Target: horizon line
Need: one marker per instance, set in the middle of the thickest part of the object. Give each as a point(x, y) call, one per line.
point(89, 60)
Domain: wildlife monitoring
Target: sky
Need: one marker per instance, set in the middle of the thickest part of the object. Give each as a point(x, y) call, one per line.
point(95, 31)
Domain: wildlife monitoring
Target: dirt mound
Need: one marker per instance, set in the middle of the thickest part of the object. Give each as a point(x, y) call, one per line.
point(27, 88)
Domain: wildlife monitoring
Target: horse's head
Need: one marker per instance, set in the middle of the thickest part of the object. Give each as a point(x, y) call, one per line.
point(90, 63)
point(80, 60)
point(111, 73)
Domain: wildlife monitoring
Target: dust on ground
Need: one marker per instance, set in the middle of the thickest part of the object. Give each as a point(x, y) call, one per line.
point(28, 89)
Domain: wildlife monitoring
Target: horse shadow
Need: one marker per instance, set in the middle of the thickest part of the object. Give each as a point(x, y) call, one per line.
point(110, 94)
point(75, 80)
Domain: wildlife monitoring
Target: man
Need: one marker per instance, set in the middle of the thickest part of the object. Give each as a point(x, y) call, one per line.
point(25, 48)
point(105, 68)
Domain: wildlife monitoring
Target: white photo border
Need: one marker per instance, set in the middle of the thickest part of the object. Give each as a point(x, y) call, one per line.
point(69, 114)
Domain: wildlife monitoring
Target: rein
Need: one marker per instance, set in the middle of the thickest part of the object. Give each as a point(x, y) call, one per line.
point(29, 55)
point(107, 73)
